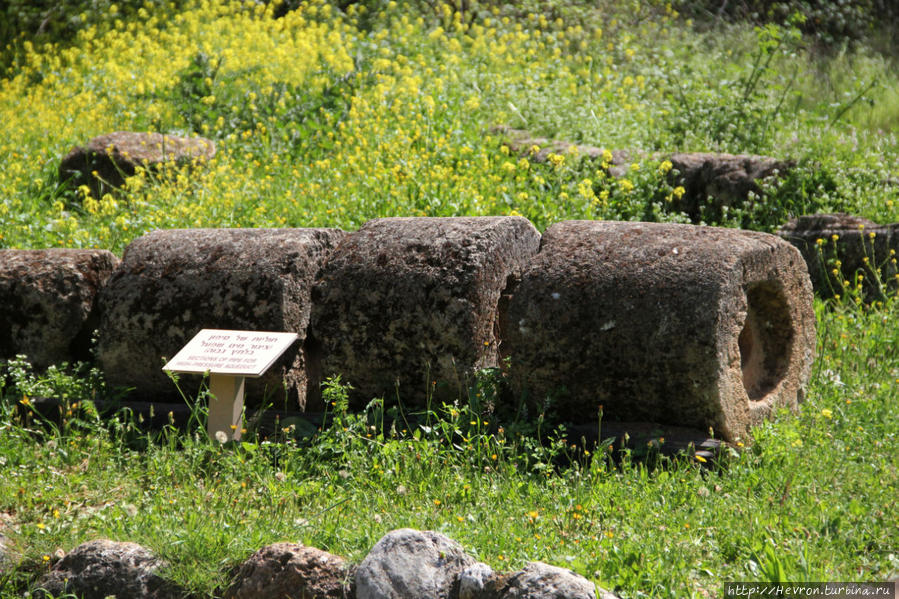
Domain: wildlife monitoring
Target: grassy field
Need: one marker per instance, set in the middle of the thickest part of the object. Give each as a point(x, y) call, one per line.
point(326, 117)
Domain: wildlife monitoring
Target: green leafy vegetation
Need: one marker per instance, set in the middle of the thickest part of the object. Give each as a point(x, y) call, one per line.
point(811, 499)
point(332, 114)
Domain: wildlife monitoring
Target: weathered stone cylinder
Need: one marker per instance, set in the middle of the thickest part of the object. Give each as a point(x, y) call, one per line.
point(842, 249)
point(409, 305)
point(48, 302)
point(173, 283)
point(675, 324)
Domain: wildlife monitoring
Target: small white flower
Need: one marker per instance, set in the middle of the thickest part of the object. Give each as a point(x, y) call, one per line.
point(833, 377)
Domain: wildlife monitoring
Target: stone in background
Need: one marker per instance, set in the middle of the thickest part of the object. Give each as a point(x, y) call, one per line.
point(712, 182)
point(405, 303)
point(861, 247)
point(106, 161)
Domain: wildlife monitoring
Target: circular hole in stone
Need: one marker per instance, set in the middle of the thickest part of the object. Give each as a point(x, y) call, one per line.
point(765, 340)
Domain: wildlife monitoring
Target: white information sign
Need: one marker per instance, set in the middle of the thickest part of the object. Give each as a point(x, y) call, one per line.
point(228, 357)
point(238, 353)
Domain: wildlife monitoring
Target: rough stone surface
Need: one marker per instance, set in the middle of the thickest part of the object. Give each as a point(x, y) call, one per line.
point(173, 283)
point(522, 142)
point(405, 302)
point(48, 299)
point(292, 571)
point(97, 569)
point(715, 181)
point(602, 593)
point(411, 564)
point(115, 156)
point(542, 581)
point(711, 181)
point(536, 581)
point(861, 247)
point(677, 324)
point(475, 580)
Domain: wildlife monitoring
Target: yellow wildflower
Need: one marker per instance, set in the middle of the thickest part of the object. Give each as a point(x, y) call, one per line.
point(555, 159)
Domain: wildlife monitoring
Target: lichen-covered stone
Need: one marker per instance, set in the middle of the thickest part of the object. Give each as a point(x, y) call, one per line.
point(849, 245)
point(48, 299)
point(405, 303)
point(411, 564)
point(98, 569)
point(106, 161)
point(291, 571)
point(173, 283)
point(676, 324)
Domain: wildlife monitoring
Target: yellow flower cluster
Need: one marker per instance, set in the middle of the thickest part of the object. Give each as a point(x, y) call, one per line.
point(318, 120)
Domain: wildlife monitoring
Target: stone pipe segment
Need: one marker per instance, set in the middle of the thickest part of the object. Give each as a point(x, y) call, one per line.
point(173, 283)
point(408, 306)
point(676, 324)
point(48, 300)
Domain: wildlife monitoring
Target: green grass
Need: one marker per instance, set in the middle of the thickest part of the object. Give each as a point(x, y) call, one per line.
point(811, 499)
point(385, 113)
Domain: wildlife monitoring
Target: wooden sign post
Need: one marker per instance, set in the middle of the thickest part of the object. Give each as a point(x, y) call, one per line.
point(229, 357)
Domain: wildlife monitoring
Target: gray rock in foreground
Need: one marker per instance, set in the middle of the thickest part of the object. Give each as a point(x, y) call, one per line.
point(173, 283)
point(676, 324)
point(98, 569)
point(106, 161)
point(536, 581)
point(542, 581)
point(411, 564)
point(48, 299)
point(849, 245)
point(409, 302)
point(291, 571)
point(475, 580)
